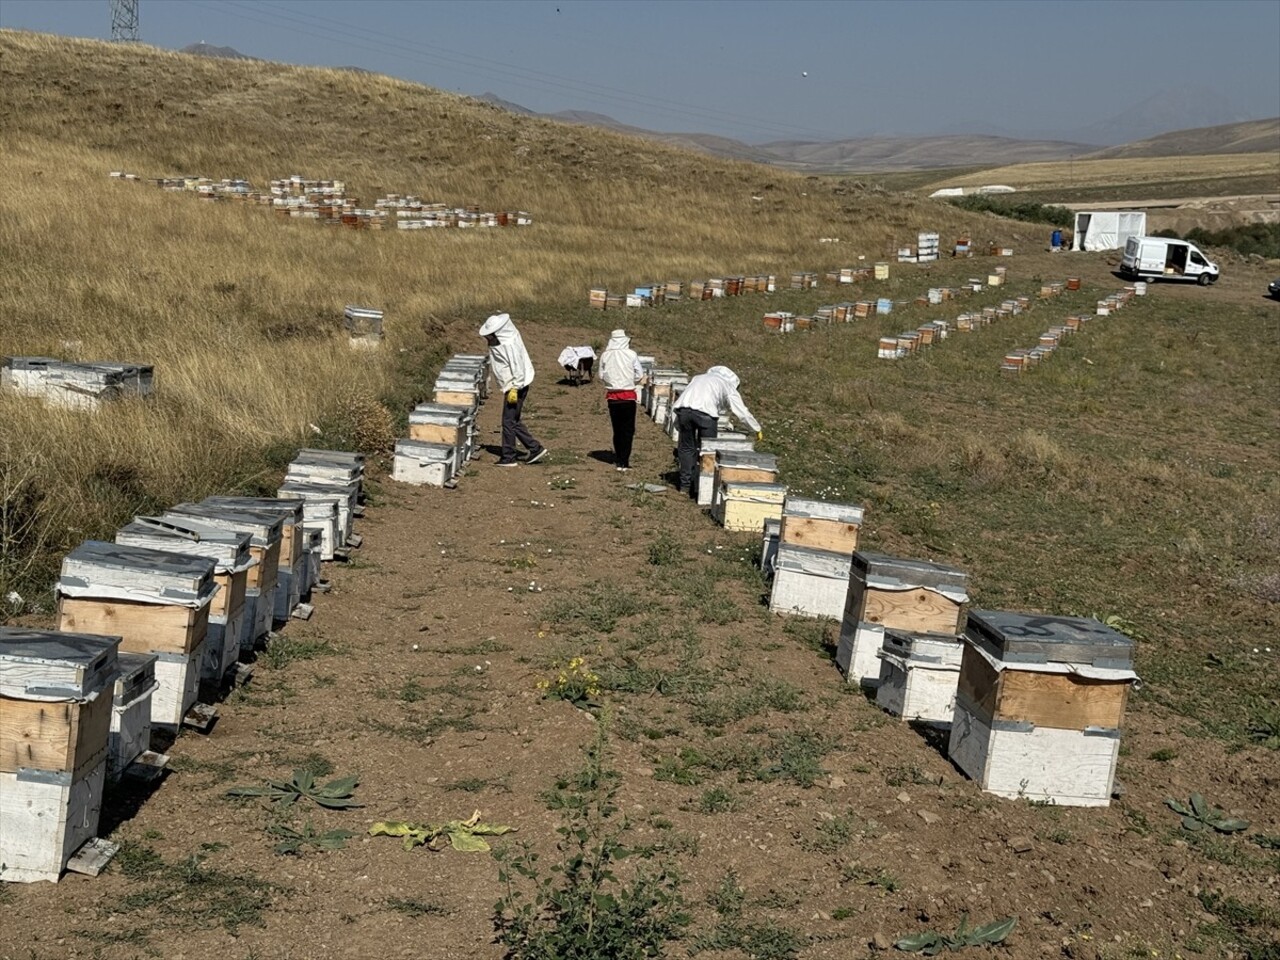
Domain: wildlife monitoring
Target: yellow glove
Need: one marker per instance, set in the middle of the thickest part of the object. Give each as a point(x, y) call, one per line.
point(759, 435)
point(512, 396)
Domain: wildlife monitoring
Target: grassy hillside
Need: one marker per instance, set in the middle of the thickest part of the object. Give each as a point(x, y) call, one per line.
point(241, 313)
point(1252, 136)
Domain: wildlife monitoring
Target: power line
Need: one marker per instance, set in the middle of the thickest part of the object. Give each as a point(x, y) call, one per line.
point(124, 21)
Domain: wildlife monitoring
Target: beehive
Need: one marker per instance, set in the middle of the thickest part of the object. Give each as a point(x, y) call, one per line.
point(1039, 706)
point(419, 462)
point(55, 717)
point(230, 552)
point(918, 675)
point(915, 596)
point(707, 463)
point(745, 506)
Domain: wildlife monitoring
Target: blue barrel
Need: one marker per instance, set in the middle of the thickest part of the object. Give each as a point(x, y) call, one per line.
point(1055, 239)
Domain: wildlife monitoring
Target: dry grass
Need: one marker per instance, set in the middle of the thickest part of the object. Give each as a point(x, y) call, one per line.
point(1111, 173)
point(241, 313)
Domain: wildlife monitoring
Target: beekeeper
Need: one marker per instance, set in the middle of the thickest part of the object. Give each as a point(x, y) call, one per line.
point(513, 370)
point(707, 396)
point(622, 375)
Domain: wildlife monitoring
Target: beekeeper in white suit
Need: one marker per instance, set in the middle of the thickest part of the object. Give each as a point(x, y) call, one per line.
point(513, 370)
point(697, 409)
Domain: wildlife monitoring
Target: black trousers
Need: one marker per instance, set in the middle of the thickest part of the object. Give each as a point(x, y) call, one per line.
point(513, 428)
point(695, 426)
point(622, 415)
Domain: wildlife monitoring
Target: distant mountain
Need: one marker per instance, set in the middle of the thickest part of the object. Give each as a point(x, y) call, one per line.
point(917, 153)
point(1188, 107)
point(886, 153)
point(203, 49)
point(1251, 136)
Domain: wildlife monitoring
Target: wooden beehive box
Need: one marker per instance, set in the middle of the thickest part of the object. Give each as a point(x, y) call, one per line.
point(734, 466)
point(230, 552)
point(821, 525)
point(320, 511)
point(420, 463)
point(1040, 705)
point(265, 533)
point(432, 426)
point(55, 715)
point(710, 449)
point(130, 734)
point(918, 676)
point(286, 594)
point(153, 600)
point(744, 506)
point(809, 582)
point(915, 596)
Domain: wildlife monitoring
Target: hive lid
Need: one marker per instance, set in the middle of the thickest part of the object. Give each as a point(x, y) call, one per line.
point(822, 510)
point(229, 549)
point(811, 562)
point(750, 490)
point(747, 459)
point(290, 511)
point(939, 649)
point(336, 456)
point(425, 452)
point(100, 569)
point(264, 529)
point(350, 490)
point(465, 414)
point(313, 493)
point(446, 416)
point(1042, 638)
point(52, 665)
point(31, 363)
point(883, 572)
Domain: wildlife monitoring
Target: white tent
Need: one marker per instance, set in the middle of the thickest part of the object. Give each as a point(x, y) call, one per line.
point(1107, 229)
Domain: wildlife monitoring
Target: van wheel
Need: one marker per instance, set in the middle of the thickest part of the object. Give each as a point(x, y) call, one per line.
point(1204, 279)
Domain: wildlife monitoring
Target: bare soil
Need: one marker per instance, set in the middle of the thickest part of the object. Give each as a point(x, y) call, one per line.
point(419, 672)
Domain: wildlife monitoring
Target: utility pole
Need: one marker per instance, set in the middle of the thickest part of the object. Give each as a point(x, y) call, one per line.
point(124, 21)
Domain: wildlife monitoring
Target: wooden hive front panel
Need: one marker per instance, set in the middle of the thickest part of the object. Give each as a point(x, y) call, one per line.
point(435, 433)
point(744, 475)
point(142, 627)
point(230, 595)
point(263, 575)
point(457, 398)
point(62, 737)
point(820, 533)
point(915, 611)
point(1057, 700)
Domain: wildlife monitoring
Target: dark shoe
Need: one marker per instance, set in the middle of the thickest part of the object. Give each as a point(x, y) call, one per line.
point(507, 463)
point(535, 457)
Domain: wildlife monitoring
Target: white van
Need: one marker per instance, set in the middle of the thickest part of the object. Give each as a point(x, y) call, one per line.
point(1160, 258)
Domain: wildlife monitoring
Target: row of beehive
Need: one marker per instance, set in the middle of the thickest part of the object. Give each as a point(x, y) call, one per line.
point(848, 311)
point(1033, 703)
point(145, 625)
point(674, 291)
point(326, 201)
point(75, 386)
point(442, 433)
point(1022, 359)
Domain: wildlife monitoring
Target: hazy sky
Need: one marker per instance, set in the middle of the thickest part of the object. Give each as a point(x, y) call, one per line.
point(1024, 67)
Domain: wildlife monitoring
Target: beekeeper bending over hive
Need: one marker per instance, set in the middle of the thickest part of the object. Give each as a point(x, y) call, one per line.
point(513, 370)
point(707, 396)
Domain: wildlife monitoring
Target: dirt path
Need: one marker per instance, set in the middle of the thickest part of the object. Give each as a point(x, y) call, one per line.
point(737, 745)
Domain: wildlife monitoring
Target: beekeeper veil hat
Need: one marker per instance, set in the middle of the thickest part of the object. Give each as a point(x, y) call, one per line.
point(494, 324)
point(618, 340)
point(724, 373)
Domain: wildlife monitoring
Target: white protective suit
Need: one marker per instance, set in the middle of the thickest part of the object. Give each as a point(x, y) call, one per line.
point(620, 365)
point(509, 360)
point(716, 392)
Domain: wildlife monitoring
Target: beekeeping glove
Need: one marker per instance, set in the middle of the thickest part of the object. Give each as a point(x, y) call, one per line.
point(512, 395)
